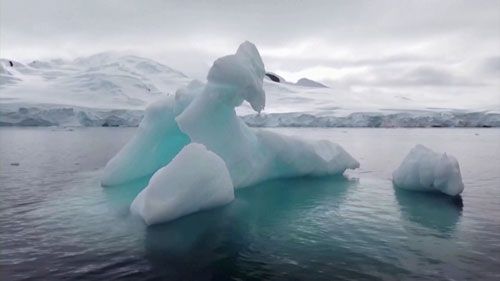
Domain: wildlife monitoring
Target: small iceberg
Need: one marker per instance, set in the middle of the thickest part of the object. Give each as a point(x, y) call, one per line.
point(426, 170)
point(205, 114)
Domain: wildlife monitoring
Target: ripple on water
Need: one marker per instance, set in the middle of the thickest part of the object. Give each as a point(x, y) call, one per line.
point(56, 222)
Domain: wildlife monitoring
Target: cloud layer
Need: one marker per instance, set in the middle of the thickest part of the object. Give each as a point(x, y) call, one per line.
point(369, 45)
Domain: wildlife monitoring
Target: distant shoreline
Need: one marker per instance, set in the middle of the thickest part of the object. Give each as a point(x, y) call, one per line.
point(86, 117)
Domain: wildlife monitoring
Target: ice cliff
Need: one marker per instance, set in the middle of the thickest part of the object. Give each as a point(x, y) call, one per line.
point(205, 114)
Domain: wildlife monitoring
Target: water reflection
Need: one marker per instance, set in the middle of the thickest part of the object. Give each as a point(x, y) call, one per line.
point(232, 240)
point(432, 210)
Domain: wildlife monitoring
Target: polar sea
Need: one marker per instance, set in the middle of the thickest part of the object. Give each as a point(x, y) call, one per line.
point(58, 223)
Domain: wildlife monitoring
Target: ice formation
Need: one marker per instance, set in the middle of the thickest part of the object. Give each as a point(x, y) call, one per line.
point(156, 142)
point(196, 179)
point(205, 114)
point(252, 155)
point(426, 170)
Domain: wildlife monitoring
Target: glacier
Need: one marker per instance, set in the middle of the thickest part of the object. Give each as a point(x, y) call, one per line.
point(425, 170)
point(204, 114)
point(26, 114)
point(405, 119)
point(114, 89)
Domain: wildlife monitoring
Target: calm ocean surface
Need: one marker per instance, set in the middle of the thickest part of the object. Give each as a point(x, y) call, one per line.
point(58, 223)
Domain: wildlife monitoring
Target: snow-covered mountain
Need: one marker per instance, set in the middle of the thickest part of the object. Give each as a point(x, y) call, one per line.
point(104, 80)
point(291, 105)
point(109, 89)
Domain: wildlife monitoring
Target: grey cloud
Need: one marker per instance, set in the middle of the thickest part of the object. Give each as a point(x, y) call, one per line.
point(266, 22)
point(297, 63)
point(413, 77)
point(491, 65)
point(401, 43)
point(430, 76)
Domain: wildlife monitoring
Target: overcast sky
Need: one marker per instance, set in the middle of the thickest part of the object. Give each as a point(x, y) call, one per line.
point(379, 44)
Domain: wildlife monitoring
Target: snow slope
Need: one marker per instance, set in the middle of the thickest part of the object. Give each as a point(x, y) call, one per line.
point(106, 81)
point(126, 84)
point(310, 83)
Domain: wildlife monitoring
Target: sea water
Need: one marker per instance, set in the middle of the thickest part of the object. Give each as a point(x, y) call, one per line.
point(58, 223)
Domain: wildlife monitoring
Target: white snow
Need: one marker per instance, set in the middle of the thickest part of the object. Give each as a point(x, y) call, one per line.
point(426, 170)
point(196, 179)
point(104, 81)
point(305, 82)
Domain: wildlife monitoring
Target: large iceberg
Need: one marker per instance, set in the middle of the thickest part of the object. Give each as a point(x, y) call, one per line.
point(252, 155)
point(205, 114)
point(196, 179)
point(426, 170)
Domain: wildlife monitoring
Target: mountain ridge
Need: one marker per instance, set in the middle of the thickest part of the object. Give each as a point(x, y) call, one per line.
point(107, 85)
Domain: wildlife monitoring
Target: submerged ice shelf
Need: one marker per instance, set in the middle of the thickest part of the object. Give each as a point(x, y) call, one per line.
point(205, 115)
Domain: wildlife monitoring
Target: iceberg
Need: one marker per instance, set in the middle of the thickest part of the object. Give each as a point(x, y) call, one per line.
point(157, 141)
point(196, 179)
point(205, 114)
point(426, 170)
point(252, 156)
